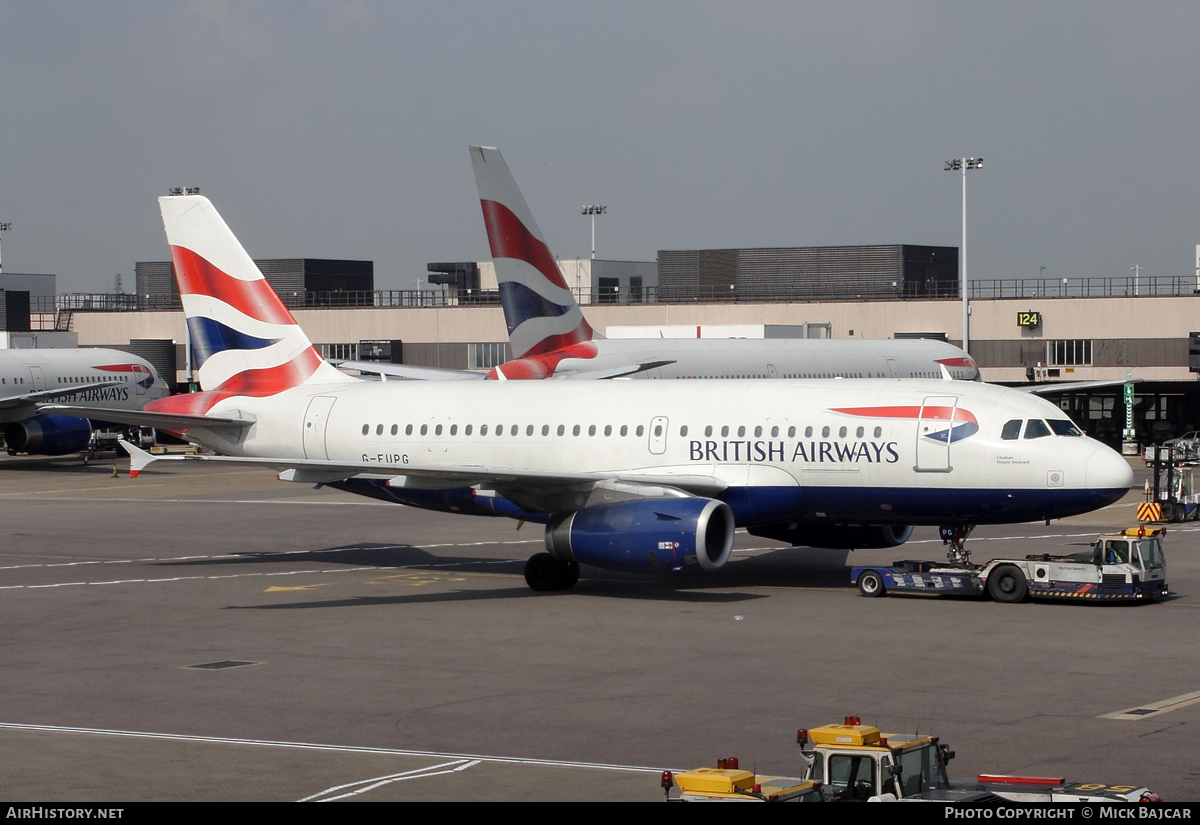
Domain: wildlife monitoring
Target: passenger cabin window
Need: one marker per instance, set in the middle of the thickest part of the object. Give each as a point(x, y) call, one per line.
point(1012, 430)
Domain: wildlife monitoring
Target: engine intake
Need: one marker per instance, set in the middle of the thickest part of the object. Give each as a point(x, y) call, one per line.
point(655, 534)
point(48, 435)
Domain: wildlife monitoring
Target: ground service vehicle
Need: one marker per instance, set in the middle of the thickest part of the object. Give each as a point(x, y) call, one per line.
point(727, 783)
point(856, 762)
point(1127, 566)
point(1175, 495)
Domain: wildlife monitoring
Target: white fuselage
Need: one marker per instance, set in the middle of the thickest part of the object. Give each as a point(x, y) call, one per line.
point(131, 381)
point(742, 358)
point(866, 451)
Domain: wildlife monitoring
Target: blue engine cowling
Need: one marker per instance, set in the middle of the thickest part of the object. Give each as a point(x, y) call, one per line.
point(655, 534)
point(836, 536)
point(48, 435)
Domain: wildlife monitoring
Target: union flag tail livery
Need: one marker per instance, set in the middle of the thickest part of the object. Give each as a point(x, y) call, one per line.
point(244, 340)
point(542, 314)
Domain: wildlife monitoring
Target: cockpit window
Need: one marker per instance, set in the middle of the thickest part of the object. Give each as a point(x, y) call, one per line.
point(1063, 427)
point(1036, 428)
point(1012, 430)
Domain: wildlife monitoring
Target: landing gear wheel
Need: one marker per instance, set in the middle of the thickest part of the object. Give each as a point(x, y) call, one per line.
point(870, 584)
point(1007, 584)
point(545, 573)
point(570, 575)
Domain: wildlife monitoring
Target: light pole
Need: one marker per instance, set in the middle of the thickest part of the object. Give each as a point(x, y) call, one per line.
point(593, 211)
point(955, 165)
point(4, 227)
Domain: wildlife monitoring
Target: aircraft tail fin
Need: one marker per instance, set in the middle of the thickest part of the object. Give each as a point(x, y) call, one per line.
point(244, 340)
point(541, 313)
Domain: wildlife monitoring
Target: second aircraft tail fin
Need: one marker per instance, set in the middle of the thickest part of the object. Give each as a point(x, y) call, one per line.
point(541, 313)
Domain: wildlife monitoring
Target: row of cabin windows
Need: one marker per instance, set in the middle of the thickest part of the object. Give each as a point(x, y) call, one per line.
point(74, 379)
point(918, 374)
point(623, 431)
point(1036, 428)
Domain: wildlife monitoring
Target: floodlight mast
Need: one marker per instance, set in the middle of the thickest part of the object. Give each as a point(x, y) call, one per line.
point(593, 211)
point(4, 227)
point(954, 165)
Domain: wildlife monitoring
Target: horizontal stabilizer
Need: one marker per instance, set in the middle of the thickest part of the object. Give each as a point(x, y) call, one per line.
point(409, 372)
point(614, 372)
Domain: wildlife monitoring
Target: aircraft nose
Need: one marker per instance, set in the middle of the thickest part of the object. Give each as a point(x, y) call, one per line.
point(1108, 470)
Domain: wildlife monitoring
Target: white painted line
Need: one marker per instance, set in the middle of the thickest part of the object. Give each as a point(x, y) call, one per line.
point(1156, 708)
point(313, 746)
point(380, 781)
point(259, 574)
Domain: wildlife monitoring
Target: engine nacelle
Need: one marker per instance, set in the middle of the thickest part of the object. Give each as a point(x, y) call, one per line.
point(837, 536)
point(48, 435)
point(652, 534)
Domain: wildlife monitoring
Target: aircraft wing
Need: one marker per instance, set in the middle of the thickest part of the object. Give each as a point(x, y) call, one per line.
point(9, 401)
point(545, 491)
point(146, 418)
point(1074, 386)
point(410, 372)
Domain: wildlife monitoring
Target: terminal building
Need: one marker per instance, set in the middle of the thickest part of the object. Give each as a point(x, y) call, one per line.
point(1021, 331)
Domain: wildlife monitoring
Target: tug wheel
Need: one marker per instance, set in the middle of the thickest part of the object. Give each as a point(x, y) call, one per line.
point(870, 584)
point(1007, 584)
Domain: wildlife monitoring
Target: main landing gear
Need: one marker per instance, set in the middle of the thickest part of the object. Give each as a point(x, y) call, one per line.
point(955, 535)
point(544, 573)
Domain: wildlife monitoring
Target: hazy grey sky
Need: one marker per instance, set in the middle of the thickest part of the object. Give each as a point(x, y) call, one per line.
point(341, 129)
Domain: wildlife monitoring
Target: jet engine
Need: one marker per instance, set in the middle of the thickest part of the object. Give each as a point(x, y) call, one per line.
point(48, 435)
point(837, 536)
point(653, 534)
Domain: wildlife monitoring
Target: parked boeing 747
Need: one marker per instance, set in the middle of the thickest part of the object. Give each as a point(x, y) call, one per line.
point(631, 475)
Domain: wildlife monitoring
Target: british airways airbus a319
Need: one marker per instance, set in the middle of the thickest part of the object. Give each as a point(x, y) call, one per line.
point(637, 475)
